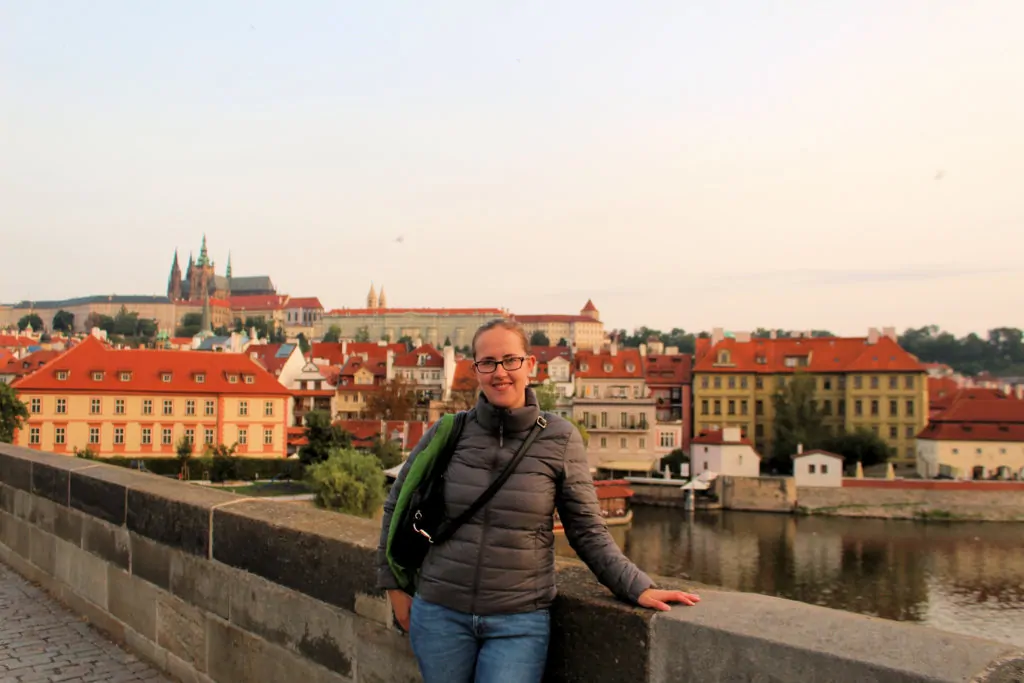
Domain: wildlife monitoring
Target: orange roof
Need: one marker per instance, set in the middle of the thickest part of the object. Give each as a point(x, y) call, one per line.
point(20, 367)
point(350, 312)
point(941, 391)
point(304, 302)
point(672, 370)
point(625, 364)
point(147, 368)
point(335, 352)
point(547, 353)
point(16, 341)
point(465, 376)
point(258, 302)
point(5, 356)
point(434, 359)
point(363, 432)
point(716, 437)
point(977, 414)
point(379, 368)
point(266, 355)
point(590, 306)
point(812, 354)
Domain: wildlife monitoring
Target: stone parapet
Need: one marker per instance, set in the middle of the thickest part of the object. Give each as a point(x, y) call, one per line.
point(211, 586)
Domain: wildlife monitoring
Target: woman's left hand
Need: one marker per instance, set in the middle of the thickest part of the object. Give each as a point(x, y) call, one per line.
point(653, 598)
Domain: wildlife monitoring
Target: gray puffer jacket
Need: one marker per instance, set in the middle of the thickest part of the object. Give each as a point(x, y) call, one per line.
point(502, 561)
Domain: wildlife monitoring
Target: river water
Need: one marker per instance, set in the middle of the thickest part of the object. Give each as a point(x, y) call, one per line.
point(962, 577)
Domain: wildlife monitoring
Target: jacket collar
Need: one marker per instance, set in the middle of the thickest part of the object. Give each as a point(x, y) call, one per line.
point(492, 417)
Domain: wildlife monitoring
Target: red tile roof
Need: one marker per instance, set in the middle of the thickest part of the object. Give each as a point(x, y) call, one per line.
point(716, 437)
point(590, 306)
point(669, 370)
point(378, 367)
point(941, 392)
point(434, 358)
point(335, 352)
point(265, 355)
point(978, 415)
point(12, 341)
point(20, 367)
point(258, 302)
point(625, 364)
point(465, 376)
point(350, 312)
point(546, 353)
point(815, 354)
point(5, 356)
point(147, 368)
point(364, 432)
point(304, 302)
point(537, 319)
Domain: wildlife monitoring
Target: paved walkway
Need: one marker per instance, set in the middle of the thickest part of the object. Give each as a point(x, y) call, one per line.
point(42, 642)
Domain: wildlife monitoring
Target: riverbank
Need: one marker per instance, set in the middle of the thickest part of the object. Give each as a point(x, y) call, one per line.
point(925, 505)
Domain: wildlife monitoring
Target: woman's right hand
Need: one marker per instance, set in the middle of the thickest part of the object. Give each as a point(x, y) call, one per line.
point(401, 603)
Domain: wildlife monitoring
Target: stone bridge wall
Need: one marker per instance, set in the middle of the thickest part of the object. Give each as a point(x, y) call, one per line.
point(211, 586)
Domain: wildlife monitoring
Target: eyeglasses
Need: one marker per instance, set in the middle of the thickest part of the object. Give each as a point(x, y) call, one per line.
point(488, 366)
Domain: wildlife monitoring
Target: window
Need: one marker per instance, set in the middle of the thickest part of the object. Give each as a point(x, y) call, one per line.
point(732, 407)
point(168, 406)
point(718, 382)
point(268, 409)
point(37, 405)
point(33, 435)
point(758, 383)
point(910, 431)
point(62, 375)
point(200, 378)
point(118, 436)
point(190, 406)
point(703, 381)
point(894, 432)
point(894, 382)
point(827, 407)
point(622, 443)
point(810, 469)
point(94, 406)
point(874, 407)
point(268, 437)
point(232, 379)
point(125, 376)
point(759, 407)
point(62, 406)
point(604, 442)
point(119, 406)
point(243, 437)
point(826, 383)
point(743, 382)
point(250, 379)
point(59, 435)
point(623, 420)
point(841, 407)
point(759, 430)
point(874, 381)
point(147, 436)
point(908, 383)
point(824, 469)
point(858, 381)
point(704, 406)
point(190, 436)
point(910, 408)
point(208, 408)
point(894, 408)
point(94, 435)
point(208, 436)
point(668, 440)
point(243, 408)
point(165, 436)
point(743, 407)
point(858, 407)
point(643, 444)
point(97, 377)
point(147, 406)
point(165, 378)
point(718, 407)
point(732, 382)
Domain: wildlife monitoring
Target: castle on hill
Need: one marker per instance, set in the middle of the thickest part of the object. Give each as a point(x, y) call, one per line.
point(200, 281)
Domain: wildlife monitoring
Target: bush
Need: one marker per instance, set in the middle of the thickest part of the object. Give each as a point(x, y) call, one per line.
point(348, 481)
point(245, 469)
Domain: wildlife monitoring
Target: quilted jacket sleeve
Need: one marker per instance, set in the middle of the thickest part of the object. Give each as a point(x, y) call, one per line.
point(385, 578)
point(587, 532)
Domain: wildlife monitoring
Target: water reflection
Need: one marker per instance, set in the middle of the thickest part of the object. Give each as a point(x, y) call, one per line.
point(967, 578)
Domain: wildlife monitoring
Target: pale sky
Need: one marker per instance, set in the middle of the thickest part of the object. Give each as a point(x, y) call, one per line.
point(695, 164)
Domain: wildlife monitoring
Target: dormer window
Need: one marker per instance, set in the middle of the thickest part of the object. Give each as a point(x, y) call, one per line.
point(62, 375)
point(724, 358)
point(250, 379)
point(584, 367)
point(232, 379)
point(126, 376)
point(200, 378)
point(607, 367)
point(97, 376)
point(165, 377)
point(630, 367)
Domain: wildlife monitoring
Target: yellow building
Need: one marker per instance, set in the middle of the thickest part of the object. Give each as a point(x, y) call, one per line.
point(584, 331)
point(980, 436)
point(860, 382)
point(138, 403)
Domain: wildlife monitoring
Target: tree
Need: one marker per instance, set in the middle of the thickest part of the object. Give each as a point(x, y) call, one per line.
point(190, 325)
point(322, 436)
point(64, 322)
point(862, 446)
point(223, 463)
point(126, 323)
point(584, 434)
point(675, 460)
point(13, 413)
point(333, 335)
point(277, 335)
point(362, 335)
point(222, 331)
point(388, 452)
point(303, 343)
point(563, 342)
point(547, 396)
point(183, 450)
point(447, 341)
point(538, 338)
point(103, 322)
point(32, 319)
point(347, 481)
point(407, 340)
point(394, 400)
point(797, 420)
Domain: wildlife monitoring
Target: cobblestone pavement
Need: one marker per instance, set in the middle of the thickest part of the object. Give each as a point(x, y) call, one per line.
point(42, 642)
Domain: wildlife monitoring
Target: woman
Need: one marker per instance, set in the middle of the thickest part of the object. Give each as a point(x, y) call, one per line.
point(481, 607)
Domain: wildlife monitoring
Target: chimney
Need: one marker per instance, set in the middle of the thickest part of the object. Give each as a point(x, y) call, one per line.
point(743, 337)
point(449, 370)
point(613, 348)
point(389, 373)
point(643, 350)
point(717, 335)
point(799, 449)
point(889, 332)
point(873, 335)
point(771, 334)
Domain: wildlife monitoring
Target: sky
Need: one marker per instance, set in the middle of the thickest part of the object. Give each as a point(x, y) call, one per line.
point(831, 165)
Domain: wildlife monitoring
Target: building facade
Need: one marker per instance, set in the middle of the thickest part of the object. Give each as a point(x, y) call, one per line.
point(583, 331)
point(139, 403)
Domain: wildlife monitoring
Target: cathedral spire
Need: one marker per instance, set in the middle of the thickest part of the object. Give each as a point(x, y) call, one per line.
point(371, 298)
point(227, 274)
point(382, 300)
point(204, 259)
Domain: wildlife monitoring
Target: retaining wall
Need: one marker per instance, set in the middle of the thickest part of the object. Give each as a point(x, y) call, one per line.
point(893, 501)
point(758, 494)
point(211, 586)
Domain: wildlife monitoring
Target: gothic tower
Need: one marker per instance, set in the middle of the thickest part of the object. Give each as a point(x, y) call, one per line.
point(174, 282)
point(371, 298)
point(382, 302)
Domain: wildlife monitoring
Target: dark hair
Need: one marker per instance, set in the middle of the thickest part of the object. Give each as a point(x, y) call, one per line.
point(501, 323)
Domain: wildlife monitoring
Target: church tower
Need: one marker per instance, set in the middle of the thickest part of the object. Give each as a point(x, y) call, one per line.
point(371, 298)
point(590, 311)
point(382, 302)
point(174, 281)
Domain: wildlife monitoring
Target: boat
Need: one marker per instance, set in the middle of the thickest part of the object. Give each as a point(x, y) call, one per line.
point(613, 496)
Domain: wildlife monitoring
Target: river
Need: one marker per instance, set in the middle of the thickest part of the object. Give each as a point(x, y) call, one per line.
point(957, 576)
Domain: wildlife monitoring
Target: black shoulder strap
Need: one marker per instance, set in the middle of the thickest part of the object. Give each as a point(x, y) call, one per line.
point(448, 529)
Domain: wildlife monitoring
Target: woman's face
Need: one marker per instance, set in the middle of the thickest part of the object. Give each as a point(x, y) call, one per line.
point(497, 350)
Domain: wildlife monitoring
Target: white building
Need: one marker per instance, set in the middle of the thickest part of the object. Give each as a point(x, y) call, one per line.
point(724, 452)
point(817, 468)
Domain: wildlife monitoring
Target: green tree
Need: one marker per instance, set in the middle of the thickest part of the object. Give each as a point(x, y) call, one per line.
point(538, 338)
point(32, 319)
point(862, 446)
point(447, 341)
point(563, 342)
point(223, 463)
point(277, 335)
point(333, 335)
point(64, 321)
point(303, 343)
point(362, 335)
point(222, 331)
point(547, 396)
point(103, 322)
point(13, 412)
point(322, 436)
point(581, 428)
point(190, 325)
point(798, 420)
point(675, 460)
point(126, 323)
point(392, 401)
point(407, 340)
point(388, 452)
point(183, 452)
point(148, 328)
point(347, 481)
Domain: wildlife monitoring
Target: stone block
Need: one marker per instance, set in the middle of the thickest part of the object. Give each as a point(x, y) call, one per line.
point(106, 541)
point(317, 631)
point(151, 561)
point(202, 583)
point(84, 573)
point(14, 533)
point(102, 492)
point(375, 608)
point(384, 655)
point(173, 513)
point(50, 482)
point(43, 550)
point(181, 630)
point(324, 555)
point(55, 518)
point(145, 648)
point(242, 656)
point(16, 466)
point(133, 601)
point(771, 639)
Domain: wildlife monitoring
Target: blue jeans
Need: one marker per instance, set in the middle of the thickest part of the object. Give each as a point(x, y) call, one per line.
point(454, 647)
